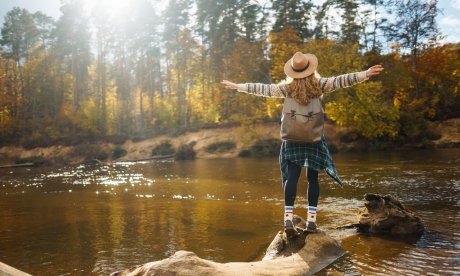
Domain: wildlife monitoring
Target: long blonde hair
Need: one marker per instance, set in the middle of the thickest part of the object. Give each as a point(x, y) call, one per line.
point(304, 89)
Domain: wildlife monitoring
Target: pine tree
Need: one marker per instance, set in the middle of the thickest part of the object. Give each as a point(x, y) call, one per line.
point(249, 20)
point(72, 45)
point(296, 14)
point(349, 29)
point(179, 54)
point(324, 28)
point(19, 35)
point(378, 23)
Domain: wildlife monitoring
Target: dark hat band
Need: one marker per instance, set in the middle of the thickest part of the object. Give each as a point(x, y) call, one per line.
point(302, 69)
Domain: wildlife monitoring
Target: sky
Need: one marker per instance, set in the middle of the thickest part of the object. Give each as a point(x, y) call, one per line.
point(448, 21)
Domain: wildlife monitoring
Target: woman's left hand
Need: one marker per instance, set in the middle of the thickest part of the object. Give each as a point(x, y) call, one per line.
point(229, 84)
point(374, 70)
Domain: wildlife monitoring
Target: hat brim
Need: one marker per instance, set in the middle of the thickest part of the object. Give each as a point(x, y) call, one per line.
point(313, 64)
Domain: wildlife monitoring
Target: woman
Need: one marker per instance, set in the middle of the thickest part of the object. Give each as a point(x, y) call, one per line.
point(303, 84)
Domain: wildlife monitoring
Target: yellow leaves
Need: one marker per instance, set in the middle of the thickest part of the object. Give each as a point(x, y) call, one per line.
point(364, 109)
point(335, 58)
point(283, 45)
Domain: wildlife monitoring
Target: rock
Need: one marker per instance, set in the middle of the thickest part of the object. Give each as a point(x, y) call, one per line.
point(304, 255)
point(386, 215)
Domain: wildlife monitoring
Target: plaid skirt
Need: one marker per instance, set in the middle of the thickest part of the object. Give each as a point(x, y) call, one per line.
point(315, 156)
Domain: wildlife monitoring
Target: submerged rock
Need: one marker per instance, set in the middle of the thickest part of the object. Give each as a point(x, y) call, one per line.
point(386, 215)
point(305, 254)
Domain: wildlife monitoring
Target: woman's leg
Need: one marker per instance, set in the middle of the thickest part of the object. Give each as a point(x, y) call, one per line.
point(313, 195)
point(290, 187)
point(290, 192)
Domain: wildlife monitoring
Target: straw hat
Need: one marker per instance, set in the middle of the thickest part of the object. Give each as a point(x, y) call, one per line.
point(301, 65)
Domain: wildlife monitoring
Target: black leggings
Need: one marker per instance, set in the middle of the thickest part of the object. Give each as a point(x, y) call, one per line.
point(290, 187)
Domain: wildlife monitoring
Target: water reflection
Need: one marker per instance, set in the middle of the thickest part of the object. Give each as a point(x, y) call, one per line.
point(84, 219)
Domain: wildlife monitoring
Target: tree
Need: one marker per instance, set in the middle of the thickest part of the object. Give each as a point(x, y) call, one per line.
point(378, 24)
point(366, 107)
point(177, 54)
point(145, 50)
point(44, 25)
point(283, 45)
point(414, 28)
point(296, 14)
point(349, 29)
point(19, 34)
point(251, 20)
point(73, 46)
point(325, 22)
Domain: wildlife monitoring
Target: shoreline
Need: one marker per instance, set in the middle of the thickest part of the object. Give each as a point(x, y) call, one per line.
point(339, 140)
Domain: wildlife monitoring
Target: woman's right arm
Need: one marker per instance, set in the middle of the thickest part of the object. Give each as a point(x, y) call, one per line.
point(347, 80)
point(258, 89)
point(342, 81)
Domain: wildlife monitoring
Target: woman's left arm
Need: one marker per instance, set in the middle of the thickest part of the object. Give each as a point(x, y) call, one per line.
point(258, 89)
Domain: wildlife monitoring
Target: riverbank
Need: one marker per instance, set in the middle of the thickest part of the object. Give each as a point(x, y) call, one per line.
point(207, 143)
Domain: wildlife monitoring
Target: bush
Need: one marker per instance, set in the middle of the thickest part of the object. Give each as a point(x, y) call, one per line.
point(118, 152)
point(265, 148)
point(349, 137)
point(432, 134)
point(163, 149)
point(185, 152)
point(332, 148)
point(244, 153)
point(102, 155)
point(220, 147)
point(427, 144)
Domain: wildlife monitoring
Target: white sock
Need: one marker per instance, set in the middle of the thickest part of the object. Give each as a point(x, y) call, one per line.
point(311, 213)
point(288, 213)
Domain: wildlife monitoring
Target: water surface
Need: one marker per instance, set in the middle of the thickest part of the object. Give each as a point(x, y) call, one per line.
point(98, 219)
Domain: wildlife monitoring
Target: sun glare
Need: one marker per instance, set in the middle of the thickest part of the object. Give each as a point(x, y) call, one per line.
point(116, 9)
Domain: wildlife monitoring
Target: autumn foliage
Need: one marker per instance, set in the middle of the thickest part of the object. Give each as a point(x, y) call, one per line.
point(60, 83)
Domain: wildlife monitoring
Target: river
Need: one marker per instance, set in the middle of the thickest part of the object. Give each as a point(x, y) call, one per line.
point(98, 219)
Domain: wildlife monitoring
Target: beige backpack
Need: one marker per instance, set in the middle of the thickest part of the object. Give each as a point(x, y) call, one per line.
point(302, 123)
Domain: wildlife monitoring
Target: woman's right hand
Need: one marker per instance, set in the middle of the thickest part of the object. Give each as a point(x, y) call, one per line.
point(229, 84)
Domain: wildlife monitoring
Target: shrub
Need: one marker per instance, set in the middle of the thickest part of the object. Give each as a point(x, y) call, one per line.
point(185, 152)
point(432, 134)
point(163, 149)
point(220, 147)
point(244, 153)
point(102, 155)
point(265, 148)
point(118, 152)
point(427, 144)
point(332, 148)
point(349, 137)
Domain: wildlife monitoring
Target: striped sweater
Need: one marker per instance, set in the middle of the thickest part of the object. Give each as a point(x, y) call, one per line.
point(280, 90)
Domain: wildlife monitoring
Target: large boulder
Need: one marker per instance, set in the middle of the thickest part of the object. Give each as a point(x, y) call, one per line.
point(303, 255)
point(386, 215)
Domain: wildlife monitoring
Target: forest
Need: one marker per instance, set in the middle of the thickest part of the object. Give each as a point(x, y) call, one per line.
point(142, 71)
